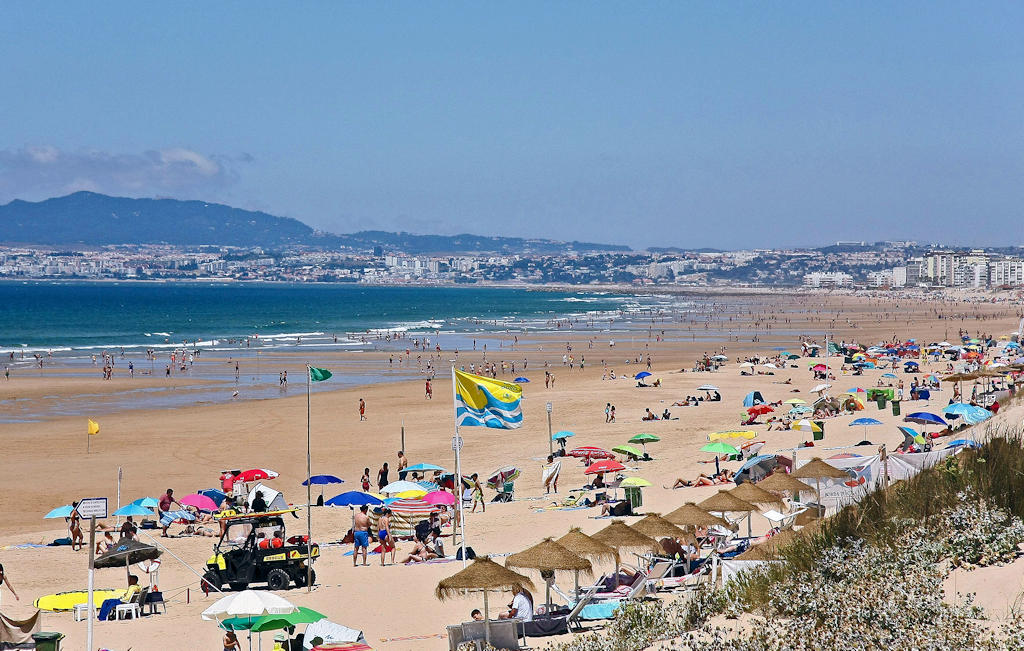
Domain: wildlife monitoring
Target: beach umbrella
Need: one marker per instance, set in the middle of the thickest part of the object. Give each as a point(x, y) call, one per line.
point(439, 497)
point(256, 474)
point(561, 436)
point(628, 450)
point(353, 498)
point(760, 410)
point(749, 492)
point(214, 494)
point(753, 398)
point(401, 486)
point(925, 418)
point(408, 495)
point(708, 387)
point(60, 512)
point(757, 467)
point(800, 410)
point(724, 502)
point(746, 365)
point(821, 387)
point(865, 423)
point(618, 536)
point(521, 380)
point(645, 438)
point(889, 375)
point(732, 434)
point(962, 443)
point(635, 482)
point(972, 414)
point(428, 486)
point(818, 367)
point(911, 436)
point(147, 502)
point(717, 448)
point(817, 470)
point(805, 425)
point(590, 452)
point(322, 480)
point(605, 465)
point(201, 502)
point(655, 526)
point(127, 551)
point(720, 358)
point(249, 603)
point(483, 575)
point(641, 375)
point(272, 622)
point(691, 515)
point(581, 544)
point(424, 467)
point(779, 482)
point(548, 556)
point(794, 401)
point(502, 475)
point(132, 509)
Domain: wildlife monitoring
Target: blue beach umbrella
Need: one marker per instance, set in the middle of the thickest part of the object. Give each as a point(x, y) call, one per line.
point(971, 414)
point(322, 480)
point(925, 418)
point(217, 496)
point(60, 512)
point(963, 443)
point(521, 380)
point(424, 467)
point(147, 502)
point(890, 375)
point(353, 498)
point(641, 375)
point(752, 399)
point(911, 435)
point(564, 434)
point(133, 509)
point(800, 409)
point(865, 423)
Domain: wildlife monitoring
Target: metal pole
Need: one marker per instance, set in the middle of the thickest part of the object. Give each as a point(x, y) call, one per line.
point(309, 495)
point(92, 571)
point(551, 445)
point(456, 443)
point(403, 438)
point(118, 520)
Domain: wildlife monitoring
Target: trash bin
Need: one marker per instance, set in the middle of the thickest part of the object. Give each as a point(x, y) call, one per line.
point(895, 407)
point(881, 401)
point(634, 497)
point(817, 436)
point(47, 641)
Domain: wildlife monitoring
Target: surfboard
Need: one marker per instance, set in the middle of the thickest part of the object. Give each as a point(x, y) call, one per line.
point(64, 601)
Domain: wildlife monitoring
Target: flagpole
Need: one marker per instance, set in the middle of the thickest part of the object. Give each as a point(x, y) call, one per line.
point(458, 472)
point(309, 494)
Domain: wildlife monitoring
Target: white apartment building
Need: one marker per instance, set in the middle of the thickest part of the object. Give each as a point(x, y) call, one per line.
point(828, 279)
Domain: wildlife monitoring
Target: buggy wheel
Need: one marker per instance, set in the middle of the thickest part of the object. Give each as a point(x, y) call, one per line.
point(300, 577)
point(278, 579)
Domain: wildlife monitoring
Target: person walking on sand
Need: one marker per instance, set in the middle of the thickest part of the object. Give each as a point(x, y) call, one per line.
point(384, 536)
point(550, 474)
point(166, 500)
point(382, 476)
point(608, 412)
point(4, 580)
point(430, 391)
point(403, 463)
point(365, 480)
point(478, 494)
point(361, 534)
point(362, 410)
point(611, 415)
point(75, 528)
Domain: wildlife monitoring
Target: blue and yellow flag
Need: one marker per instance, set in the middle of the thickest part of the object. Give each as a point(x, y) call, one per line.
point(483, 402)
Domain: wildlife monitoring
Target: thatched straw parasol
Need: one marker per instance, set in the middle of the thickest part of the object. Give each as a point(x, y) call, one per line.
point(817, 470)
point(655, 526)
point(619, 536)
point(780, 482)
point(581, 544)
point(748, 492)
point(724, 501)
point(483, 575)
point(691, 515)
point(769, 550)
point(548, 556)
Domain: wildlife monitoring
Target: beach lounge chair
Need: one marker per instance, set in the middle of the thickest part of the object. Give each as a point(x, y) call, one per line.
point(504, 633)
point(782, 520)
point(572, 620)
point(506, 493)
point(131, 610)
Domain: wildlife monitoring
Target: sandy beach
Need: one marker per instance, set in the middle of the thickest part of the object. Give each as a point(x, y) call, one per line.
point(185, 448)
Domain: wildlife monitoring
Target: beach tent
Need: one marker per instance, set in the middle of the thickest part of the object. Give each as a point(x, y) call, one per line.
point(404, 516)
point(274, 499)
point(757, 468)
point(331, 633)
point(753, 398)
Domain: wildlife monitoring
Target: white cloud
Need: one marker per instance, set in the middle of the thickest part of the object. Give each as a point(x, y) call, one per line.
point(38, 172)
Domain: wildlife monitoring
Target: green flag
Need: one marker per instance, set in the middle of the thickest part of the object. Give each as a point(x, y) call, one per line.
point(318, 374)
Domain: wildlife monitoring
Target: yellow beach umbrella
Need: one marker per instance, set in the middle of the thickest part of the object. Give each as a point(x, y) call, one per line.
point(636, 482)
point(795, 401)
point(804, 425)
point(731, 434)
point(410, 495)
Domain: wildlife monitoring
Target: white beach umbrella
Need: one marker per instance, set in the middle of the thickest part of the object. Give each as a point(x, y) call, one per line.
point(821, 387)
point(249, 603)
point(400, 486)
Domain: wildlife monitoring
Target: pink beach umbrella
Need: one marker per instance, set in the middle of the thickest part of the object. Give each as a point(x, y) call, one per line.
point(201, 502)
point(439, 497)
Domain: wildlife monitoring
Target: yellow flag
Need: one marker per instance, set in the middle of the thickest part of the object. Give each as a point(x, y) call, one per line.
point(94, 427)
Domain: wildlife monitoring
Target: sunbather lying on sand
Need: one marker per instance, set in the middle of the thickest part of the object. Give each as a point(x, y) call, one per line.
point(724, 477)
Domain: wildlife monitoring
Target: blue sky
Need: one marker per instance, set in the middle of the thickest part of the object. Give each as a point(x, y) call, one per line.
point(724, 124)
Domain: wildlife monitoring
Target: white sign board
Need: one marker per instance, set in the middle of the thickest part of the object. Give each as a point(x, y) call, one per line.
point(457, 442)
point(92, 507)
point(549, 407)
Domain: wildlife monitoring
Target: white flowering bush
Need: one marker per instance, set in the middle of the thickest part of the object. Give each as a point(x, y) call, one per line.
point(976, 534)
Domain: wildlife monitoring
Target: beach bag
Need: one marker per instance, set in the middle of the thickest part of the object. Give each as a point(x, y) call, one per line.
point(470, 554)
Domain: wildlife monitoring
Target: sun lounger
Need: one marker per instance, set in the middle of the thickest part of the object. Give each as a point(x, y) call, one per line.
point(573, 618)
point(782, 520)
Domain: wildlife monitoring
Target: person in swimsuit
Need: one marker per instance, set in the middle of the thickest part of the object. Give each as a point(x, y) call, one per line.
point(231, 642)
point(384, 536)
point(5, 581)
point(361, 534)
point(75, 528)
point(478, 494)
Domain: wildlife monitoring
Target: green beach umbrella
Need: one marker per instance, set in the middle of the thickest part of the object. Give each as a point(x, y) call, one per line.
point(718, 447)
point(628, 449)
point(272, 622)
point(645, 438)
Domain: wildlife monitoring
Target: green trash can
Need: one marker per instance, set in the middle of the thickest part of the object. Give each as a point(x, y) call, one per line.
point(634, 497)
point(47, 641)
point(817, 436)
point(881, 402)
point(895, 407)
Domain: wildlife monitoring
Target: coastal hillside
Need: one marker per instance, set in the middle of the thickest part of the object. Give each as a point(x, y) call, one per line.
point(91, 219)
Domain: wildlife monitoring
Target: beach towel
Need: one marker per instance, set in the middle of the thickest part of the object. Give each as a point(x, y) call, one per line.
point(17, 634)
point(551, 471)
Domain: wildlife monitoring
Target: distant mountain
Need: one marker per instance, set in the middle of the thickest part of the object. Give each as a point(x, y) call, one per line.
point(91, 219)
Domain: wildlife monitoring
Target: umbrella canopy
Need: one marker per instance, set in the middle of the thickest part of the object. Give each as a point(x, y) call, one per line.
point(818, 469)
point(401, 486)
point(439, 497)
point(748, 492)
point(353, 498)
point(606, 465)
point(127, 552)
point(636, 482)
point(910, 436)
point(821, 387)
point(249, 603)
point(628, 449)
point(925, 418)
point(502, 475)
point(691, 515)
point(60, 512)
point(521, 380)
point(321, 480)
point(867, 422)
point(724, 501)
point(591, 452)
point(424, 467)
point(778, 482)
point(256, 474)
point(794, 401)
point(718, 447)
point(708, 387)
point(148, 502)
point(655, 526)
point(972, 414)
point(548, 555)
point(581, 544)
point(272, 622)
point(214, 494)
point(805, 425)
point(619, 536)
point(760, 410)
point(483, 574)
point(641, 375)
point(732, 434)
point(564, 434)
point(889, 375)
point(753, 398)
point(201, 502)
point(132, 509)
point(800, 410)
point(645, 438)
point(757, 467)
